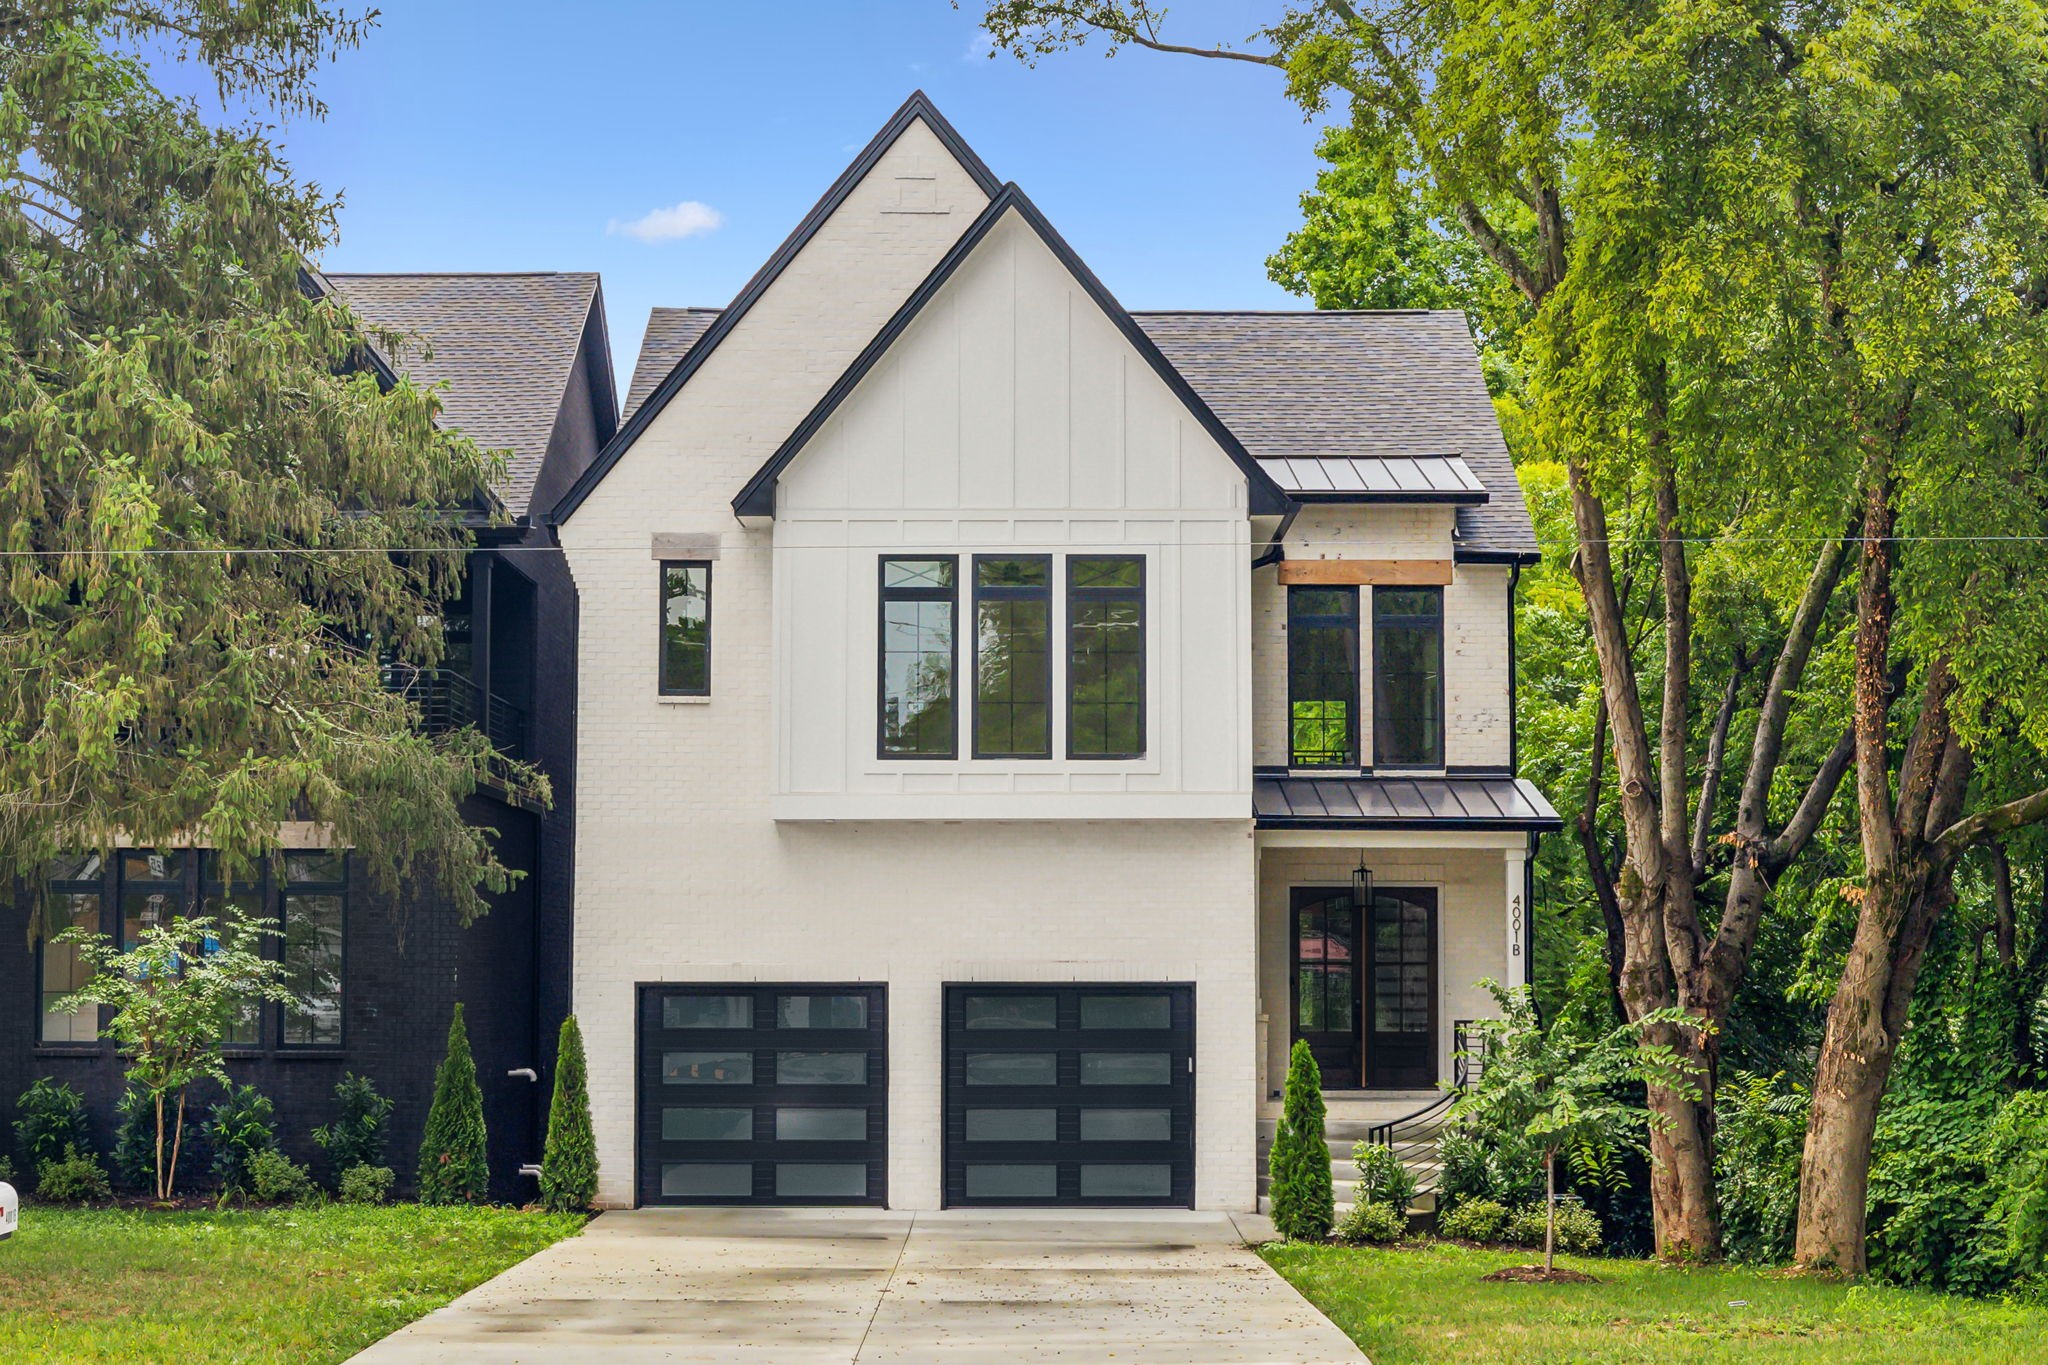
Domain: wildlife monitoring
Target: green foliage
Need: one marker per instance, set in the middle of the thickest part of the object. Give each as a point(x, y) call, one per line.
point(134, 1158)
point(1759, 1138)
point(1480, 1161)
point(1382, 1179)
point(1369, 1224)
point(357, 1135)
point(7, 1169)
point(366, 1184)
point(49, 1119)
point(275, 1178)
point(241, 1126)
point(568, 1166)
point(1304, 1203)
point(2016, 1151)
point(176, 991)
point(172, 384)
point(1578, 1229)
point(74, 1178)
point(453, 1168)
point(1474, 1220)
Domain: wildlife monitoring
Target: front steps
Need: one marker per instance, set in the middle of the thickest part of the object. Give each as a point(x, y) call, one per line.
point(1349, 1117)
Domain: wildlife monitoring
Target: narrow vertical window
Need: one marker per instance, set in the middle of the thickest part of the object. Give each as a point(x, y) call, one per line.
point(73, 902)
point(919, 599)
point(313, 905)
point(231, 902)
point(153, 891)
point(1408, 677)
point(1105, 656)
point(1013, 657)
point(1322, 677)
point(685, 629)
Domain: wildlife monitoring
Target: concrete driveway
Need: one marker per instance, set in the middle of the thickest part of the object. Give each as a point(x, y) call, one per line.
point(788, 1285)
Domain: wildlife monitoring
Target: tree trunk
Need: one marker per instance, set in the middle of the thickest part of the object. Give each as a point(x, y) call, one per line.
point(1549, 1211)
point(177, 1141)
point(160, 1145)
point(1685, 1213)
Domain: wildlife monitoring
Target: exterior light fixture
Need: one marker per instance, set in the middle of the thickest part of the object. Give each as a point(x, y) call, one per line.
point(1361, 885)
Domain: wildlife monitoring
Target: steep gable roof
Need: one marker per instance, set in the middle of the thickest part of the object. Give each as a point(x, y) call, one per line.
point(1396, 383)
point(758, 497)
point(670, 333)
point(918, 108)
point(506, 346)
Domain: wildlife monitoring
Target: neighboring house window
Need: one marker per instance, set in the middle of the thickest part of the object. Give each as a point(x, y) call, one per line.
point(1013, 657)
point(226, 902)
point(72, 902)
point(313, 903)
point(919, 599)
point(685, 629)
point(1105, 656)
point(1322, 677)
point(1408, 677)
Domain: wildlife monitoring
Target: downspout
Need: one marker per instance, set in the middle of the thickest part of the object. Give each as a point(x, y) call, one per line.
point(1529, 910)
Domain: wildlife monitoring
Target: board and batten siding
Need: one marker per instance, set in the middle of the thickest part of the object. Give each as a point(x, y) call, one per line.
point(1012, 416)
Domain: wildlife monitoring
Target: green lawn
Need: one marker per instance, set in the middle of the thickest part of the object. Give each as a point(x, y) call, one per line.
point(1427, 1304)
point(298, 1285)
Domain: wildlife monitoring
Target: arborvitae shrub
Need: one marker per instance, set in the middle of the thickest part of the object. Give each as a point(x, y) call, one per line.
point(1303, 1203)
point(453, 1169)
point(568, 1166)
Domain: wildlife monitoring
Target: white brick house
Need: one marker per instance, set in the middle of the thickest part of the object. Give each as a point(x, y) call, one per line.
point(987, 697)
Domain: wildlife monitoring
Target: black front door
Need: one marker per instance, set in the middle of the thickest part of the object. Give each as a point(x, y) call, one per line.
point(1400, 1002)
point(1326, 981)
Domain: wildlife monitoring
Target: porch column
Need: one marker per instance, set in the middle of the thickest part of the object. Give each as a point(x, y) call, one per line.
point(1517, 971)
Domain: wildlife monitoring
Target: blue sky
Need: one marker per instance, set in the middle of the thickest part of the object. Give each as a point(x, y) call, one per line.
point(509, 135)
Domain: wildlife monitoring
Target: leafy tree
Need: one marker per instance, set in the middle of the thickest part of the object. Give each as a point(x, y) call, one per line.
point(356, 1137)
point(453, 1168)
point(568, 1164)
point(220, 511)
point(1566, 1096)
point(175, 992)
point(1304, 1201)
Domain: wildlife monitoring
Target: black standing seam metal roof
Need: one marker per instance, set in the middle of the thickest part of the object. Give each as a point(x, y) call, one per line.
point(918, 106)
point(758, 497)
point(1303, 802)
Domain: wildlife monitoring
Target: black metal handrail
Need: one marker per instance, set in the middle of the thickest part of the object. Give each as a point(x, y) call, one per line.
point(1413, 1137)
point(447, 700)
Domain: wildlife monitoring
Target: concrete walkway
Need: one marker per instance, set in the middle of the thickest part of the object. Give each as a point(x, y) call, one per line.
point(841, 1285)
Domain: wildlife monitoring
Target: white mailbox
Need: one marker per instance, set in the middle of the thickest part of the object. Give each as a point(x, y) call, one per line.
point(10, 1210)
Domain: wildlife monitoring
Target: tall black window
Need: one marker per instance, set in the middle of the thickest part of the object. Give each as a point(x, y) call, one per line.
point(1013, 657)
point(1408, 677)
point(1105, 656)
point(312, 905)
point(229, 902)
point(919, 599)
point(74, 890)
point(685, 629)
point(1322, 677)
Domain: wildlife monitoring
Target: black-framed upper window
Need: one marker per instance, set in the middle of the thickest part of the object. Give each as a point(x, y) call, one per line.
point(75, 886)
point(1013, 656)
point(1105, 656)
point(313, 910)
point(225, 901)
point(1322, 677)
point(685, 628)
point(1408, 677)
point(920, 599)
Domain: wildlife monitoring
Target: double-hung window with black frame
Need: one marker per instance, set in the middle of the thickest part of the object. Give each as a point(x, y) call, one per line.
point(1013, 656)
point(313, 915)
point(1105, 656)
point(918, 658)
point(1408, 677)
point(1322, 677)
point(685, 628)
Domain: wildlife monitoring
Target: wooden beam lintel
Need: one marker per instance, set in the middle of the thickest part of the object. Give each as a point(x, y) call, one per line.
point(1401, 573)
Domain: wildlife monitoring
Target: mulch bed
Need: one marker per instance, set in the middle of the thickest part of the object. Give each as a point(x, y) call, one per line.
point(1536, 1274)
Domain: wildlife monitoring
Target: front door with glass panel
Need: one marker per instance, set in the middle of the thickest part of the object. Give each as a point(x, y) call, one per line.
point(1400, 1002)
point(1326, 982)
point(1070, 1094)
point(763, 1094)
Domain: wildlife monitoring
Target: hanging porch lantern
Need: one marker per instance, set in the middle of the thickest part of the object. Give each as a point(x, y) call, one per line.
point(1361, 885)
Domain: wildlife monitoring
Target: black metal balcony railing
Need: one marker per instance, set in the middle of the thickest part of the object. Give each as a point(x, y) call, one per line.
point(1413, 1137)
point(446, 700)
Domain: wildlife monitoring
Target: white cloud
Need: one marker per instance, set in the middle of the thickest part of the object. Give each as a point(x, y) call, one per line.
point(687, 219)
point(978, 47)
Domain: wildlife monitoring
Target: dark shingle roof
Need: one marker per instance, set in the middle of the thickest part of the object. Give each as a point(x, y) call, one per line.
point(505, 344)
point(671, 332)
point(1399, 382)
point(1399, 803)
point(1301, 385)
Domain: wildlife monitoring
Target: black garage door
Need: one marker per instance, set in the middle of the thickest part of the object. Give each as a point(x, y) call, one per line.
point(1070, 1095)
point(753, 1094)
